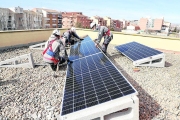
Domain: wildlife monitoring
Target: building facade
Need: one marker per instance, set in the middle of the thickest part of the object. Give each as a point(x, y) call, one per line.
point(7, 19)
point(51, 18)
point(99, 20)
point(108, 19)
point(117, 25)
point(75, 19)
point(146, 24)
point(16, 18)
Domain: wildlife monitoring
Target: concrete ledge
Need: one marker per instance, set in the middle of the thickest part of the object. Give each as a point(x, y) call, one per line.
point(23, 37)
point(151, 41)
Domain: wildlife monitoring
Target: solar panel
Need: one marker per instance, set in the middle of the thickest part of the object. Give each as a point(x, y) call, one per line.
point(92, 80)
point(136, 51)
point(142, 55)
point(82, 49)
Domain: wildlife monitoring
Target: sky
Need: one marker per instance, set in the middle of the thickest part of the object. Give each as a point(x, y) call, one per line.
point(116, 9)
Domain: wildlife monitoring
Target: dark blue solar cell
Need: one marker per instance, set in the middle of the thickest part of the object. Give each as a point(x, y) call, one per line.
point(79, 107)
point(136, 51)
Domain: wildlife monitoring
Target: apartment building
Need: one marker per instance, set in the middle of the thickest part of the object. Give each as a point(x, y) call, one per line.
point(32, 20)
point(125, 23)
point(7, 19)
point(151, 24)
point(99, 20)
point(15, 18)
point(27, 19)
point(134, 22)
point(51, 18)
point(75, 19)
point(117, 25)
point(108, 19)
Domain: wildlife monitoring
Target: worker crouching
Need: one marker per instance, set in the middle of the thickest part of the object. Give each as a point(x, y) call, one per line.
point(53, 47)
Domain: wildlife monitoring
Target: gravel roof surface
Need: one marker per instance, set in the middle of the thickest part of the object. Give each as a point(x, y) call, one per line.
point(36, 93)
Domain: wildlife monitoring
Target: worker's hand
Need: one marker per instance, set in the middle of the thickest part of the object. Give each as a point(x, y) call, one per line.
point(81, 39)
point(96, 45)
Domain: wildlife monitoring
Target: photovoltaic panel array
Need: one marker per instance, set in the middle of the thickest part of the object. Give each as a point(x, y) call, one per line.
point(136, 51)
point(82, 49)
point(92, 80)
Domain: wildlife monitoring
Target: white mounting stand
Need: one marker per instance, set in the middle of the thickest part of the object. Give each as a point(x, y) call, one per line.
point(13, 62)
point(40, 46)
point(153, 61)
point(109, 110)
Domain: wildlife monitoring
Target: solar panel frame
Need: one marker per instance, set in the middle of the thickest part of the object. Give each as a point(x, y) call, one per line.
point(135, 93)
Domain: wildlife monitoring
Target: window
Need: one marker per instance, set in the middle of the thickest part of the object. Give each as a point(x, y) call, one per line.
point(47, 26)
point(54, 21)
point(54, 26)
point(53, 15)
point(47, 15)
point(48, 21)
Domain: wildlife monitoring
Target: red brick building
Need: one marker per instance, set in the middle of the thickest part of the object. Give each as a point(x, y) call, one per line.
point(117, 25)
point(75, 19)
point(51, 18)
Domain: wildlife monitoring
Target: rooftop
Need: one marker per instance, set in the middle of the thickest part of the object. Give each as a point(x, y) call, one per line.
point(36, 93)
point(48, 10)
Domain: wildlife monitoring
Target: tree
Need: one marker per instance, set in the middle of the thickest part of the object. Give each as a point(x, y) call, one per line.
point(78, 25)
point(175, 29)
point(87, 28)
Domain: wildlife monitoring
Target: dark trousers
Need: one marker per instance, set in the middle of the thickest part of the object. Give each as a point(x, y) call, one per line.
point(54, 66)
point(70, 41)
point(106, 42)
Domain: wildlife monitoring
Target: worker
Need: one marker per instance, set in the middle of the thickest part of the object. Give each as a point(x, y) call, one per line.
point(66, 38)
point(102, 31)
point(53, 47)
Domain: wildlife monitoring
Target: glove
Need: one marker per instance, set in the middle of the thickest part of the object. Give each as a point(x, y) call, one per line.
point(68, 61)
point(81, 39)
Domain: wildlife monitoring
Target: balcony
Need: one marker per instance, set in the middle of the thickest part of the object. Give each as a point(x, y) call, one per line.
point(9, 26)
